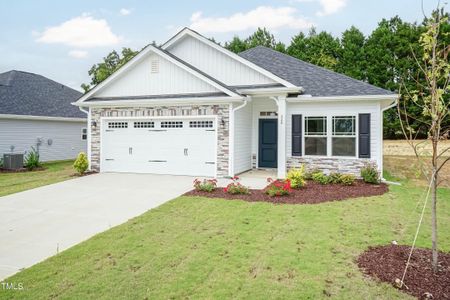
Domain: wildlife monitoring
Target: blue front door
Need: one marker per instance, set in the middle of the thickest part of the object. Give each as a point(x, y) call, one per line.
point(268, 137)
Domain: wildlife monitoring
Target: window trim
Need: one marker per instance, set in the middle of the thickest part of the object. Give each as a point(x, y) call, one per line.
point(83, 134)
point(329, 134)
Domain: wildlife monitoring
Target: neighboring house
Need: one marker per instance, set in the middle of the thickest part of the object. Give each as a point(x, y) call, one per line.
point(37, 112)
point(191, 107)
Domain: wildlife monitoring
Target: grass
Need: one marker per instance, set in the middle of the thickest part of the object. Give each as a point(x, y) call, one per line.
point(218, 249)
point(17, 182)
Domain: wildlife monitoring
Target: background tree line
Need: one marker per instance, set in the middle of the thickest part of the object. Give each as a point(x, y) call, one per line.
point(384, 58)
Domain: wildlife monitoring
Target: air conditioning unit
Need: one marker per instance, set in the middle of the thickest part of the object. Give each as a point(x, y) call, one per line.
point(12, 161)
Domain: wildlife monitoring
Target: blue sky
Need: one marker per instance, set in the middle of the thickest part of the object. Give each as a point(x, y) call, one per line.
point(63, 39)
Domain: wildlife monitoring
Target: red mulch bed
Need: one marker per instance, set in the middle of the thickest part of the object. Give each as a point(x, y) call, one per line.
point(21, 170)
point(312, 193)
point(387, 263)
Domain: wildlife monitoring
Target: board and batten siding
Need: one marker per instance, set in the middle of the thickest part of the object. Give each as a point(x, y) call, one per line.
point(352, 108)
point(166, 78)
point(23, 134)
point(216, 63)
point(243, 139)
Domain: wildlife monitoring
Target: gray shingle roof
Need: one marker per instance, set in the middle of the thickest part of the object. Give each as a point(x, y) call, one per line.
point(315, 80)
point(23, 93)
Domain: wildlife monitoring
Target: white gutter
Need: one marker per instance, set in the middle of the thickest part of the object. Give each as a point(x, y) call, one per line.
point(231, 137)
point(275, 91)
point(162, 101)
point(309, 98)
point(394, 103)
point(41, 118)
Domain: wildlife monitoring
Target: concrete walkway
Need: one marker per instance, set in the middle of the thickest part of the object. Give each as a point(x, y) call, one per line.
point(37, 223)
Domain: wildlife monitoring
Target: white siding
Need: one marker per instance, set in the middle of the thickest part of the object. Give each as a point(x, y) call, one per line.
point(243, 139)
point(340, 108)
point(170, 79)
point(216, 63)
point(23, 134)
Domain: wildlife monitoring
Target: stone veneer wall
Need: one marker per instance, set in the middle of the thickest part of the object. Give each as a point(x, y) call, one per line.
point(328, 164)
point(222, 111)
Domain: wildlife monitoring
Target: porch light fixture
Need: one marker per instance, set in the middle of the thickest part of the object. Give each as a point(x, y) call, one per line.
point(93, 123)
point(222, 122)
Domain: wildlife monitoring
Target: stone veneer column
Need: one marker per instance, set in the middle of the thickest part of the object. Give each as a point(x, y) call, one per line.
point(222, 112)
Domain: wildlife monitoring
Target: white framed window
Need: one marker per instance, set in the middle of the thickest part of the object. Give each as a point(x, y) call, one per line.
point(172, 124)
point(144, 124)
point(333, 136)
point(315, 134)
point(343, 140)
point(117, 124)
point(84, 134)
point(201, 124)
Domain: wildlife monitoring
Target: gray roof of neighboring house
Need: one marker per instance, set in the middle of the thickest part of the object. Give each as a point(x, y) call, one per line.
point(23, 93)
point(315, 80)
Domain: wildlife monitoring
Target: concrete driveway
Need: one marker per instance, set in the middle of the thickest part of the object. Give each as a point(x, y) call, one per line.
point(38, 223)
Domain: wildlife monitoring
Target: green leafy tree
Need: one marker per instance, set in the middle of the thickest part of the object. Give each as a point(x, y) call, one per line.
point(261, 37)
point(109, 65)
point(236, 45)
point(352, 60)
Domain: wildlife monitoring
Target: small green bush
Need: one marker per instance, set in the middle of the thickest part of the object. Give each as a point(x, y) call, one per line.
point(1, 162)
point(297, 177)
point(347, 179)
point(81, 164)
point(369, 174)
point(207, 185)
point(335, 177)
point(321, 178)
point(309, 174)
point(32, 160)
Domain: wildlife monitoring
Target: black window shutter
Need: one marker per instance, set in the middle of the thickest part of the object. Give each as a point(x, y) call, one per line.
point(296, 135)
point(364, 135)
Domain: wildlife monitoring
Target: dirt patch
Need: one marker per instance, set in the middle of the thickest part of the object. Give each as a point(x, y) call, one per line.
point(21, 170)
point(84, 174)
point(387, 263)
point(312, 193)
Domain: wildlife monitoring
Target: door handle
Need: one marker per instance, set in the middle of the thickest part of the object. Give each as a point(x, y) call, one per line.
point(130, 150)
point(185, 151)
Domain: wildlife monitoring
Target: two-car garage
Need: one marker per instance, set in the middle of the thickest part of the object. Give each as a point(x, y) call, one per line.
point(161, 145)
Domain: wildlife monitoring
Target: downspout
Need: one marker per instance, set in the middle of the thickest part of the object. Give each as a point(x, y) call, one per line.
point(88, 128)
point(231, 137)
point(394, 103)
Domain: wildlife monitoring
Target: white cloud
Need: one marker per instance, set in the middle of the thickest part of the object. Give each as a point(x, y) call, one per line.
point(331, 6)
point(78, 53)
point(81, 32)
point(125, 11)
point(263, 16)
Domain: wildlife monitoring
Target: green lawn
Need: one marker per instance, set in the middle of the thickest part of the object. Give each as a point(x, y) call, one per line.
point(17, 182)
point(212, 248)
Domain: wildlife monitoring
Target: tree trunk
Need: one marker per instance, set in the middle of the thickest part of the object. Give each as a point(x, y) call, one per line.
point(434, 221)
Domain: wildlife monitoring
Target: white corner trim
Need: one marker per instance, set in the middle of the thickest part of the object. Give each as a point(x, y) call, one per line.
point(137, 58)
point(187, 31)
point(41, 118)
point(309, 98)
point(161, 101)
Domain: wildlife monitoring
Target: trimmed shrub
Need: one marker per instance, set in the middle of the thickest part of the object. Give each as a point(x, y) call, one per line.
point(347, 179)
point(205, 185)
point(321, 178)
point(236, 188)
point(309, 174)
point(297, 177)
point(1, 162)
point(32, 160)
point(81, 164)
point(369, 174)
point(335, 177)
point(279, 187)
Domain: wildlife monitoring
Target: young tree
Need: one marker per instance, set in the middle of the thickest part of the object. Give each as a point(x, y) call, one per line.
point(431, 96)
point(109, 65)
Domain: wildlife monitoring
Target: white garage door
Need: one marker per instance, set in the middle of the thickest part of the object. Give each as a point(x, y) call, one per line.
point(159, 146)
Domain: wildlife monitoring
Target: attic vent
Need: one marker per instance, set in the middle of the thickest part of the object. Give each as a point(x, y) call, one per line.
point(155, 66)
